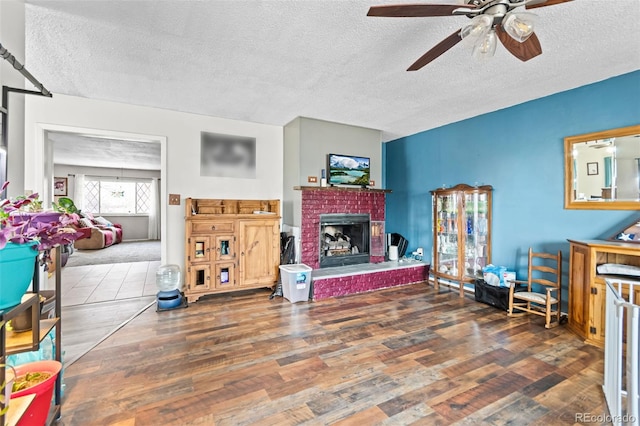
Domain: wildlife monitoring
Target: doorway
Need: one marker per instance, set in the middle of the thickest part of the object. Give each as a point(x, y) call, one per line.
point(117, 181)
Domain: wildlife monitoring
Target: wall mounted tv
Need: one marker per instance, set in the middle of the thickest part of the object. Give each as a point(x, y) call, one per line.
point(348, 170)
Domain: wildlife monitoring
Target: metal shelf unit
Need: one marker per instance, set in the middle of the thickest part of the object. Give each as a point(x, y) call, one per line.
point(26, 341)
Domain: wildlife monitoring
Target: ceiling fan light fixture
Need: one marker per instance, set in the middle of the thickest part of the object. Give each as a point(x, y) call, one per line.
point(519, 25)
point(486, 46)
point(477, 28)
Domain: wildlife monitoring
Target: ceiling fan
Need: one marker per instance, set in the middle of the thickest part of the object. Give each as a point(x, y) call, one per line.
point(490, 20)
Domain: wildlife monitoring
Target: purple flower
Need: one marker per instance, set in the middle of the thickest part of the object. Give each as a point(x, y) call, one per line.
point(49, 231)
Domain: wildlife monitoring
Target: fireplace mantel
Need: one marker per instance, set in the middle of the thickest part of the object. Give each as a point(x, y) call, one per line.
point(340, 188)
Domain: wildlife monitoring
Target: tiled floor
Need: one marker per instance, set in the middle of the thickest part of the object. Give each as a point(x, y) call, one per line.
point(101, 283)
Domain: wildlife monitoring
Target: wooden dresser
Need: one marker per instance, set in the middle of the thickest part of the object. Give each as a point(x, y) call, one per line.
point(230, 245)
point(587, 288)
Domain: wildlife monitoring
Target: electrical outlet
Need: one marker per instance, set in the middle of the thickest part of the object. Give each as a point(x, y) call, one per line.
point(372, 183)
point(312, 179)
point(174, 199)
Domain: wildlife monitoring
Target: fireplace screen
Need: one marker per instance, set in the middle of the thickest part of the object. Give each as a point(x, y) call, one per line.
point(344, 239)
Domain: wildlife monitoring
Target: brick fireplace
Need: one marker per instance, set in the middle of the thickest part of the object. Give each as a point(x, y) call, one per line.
point(355, 278)
point(318, 200)
point(307, 143)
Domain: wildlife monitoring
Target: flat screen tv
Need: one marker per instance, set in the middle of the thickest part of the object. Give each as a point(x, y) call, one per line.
point(348, 170)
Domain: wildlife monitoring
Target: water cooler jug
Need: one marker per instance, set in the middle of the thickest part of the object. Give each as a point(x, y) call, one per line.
point(169, 281)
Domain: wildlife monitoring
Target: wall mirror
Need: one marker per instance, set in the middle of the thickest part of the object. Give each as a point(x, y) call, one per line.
point(602, 170)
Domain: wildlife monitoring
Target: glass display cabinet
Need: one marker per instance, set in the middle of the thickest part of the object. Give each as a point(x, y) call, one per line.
point(461, 233)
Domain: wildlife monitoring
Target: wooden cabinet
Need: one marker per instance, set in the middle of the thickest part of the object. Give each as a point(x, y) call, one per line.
point(461, 233)
point(596, 324)
point(199, 249)
point(259, 252)
point(579, 288)
point(231, 245)
point(587, 288)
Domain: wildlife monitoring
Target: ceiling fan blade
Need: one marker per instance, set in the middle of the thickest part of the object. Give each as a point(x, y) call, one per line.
point(436, 51)
point(524, 51)
point(542, 3)
point(416, 10)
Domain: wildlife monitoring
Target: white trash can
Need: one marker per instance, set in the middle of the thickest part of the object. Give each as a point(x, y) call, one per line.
point(296, 282)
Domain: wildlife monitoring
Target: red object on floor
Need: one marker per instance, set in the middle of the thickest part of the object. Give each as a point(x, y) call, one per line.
point(36, 414)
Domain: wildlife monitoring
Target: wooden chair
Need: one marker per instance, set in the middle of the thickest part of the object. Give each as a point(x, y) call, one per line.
point(543, 293)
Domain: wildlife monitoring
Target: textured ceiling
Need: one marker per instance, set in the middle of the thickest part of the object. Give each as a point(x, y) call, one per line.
point(271, 61)
point(91, 151)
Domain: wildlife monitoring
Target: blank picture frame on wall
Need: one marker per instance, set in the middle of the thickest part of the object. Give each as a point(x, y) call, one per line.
point(592, 169)
point(227, 156)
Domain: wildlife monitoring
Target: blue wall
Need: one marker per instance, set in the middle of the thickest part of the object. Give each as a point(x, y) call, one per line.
point(520, 152)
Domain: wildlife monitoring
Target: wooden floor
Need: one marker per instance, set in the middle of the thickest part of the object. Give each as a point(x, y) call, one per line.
point(408, 355)
point(83, 326)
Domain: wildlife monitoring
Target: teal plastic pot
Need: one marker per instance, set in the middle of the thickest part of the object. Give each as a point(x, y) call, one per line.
point(17, 262)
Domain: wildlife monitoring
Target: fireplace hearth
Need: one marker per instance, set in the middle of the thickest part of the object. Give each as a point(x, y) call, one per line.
point(344, 239)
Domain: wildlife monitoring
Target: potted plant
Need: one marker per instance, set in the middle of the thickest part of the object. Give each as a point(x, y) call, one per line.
point(66, 205)
point(24, 234)
point(37, 378)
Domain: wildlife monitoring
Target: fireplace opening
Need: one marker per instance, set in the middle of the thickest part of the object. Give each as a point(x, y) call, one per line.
point(344, 239)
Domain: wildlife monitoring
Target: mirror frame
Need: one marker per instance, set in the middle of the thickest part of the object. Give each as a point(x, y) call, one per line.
point(569, 202)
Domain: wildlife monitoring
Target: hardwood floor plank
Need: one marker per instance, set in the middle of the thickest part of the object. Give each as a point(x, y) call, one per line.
point(309, 354)
point(415, 397)
point(533, 368)
point(513, 409)
point(369, 416)
point(288, 417)
point(542, 385)
point(475, 363)
point(408, 355)
point(466, 403)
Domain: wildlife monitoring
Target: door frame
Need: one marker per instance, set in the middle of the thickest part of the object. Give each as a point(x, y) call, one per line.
point(44, 155)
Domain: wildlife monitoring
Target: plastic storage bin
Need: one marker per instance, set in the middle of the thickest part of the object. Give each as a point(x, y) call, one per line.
point(296, 282)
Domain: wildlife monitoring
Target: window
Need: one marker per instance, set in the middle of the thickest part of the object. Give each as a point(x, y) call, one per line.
point(117, 196)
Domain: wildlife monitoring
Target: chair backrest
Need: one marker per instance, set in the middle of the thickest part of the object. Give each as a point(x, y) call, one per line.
point(545, 268)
